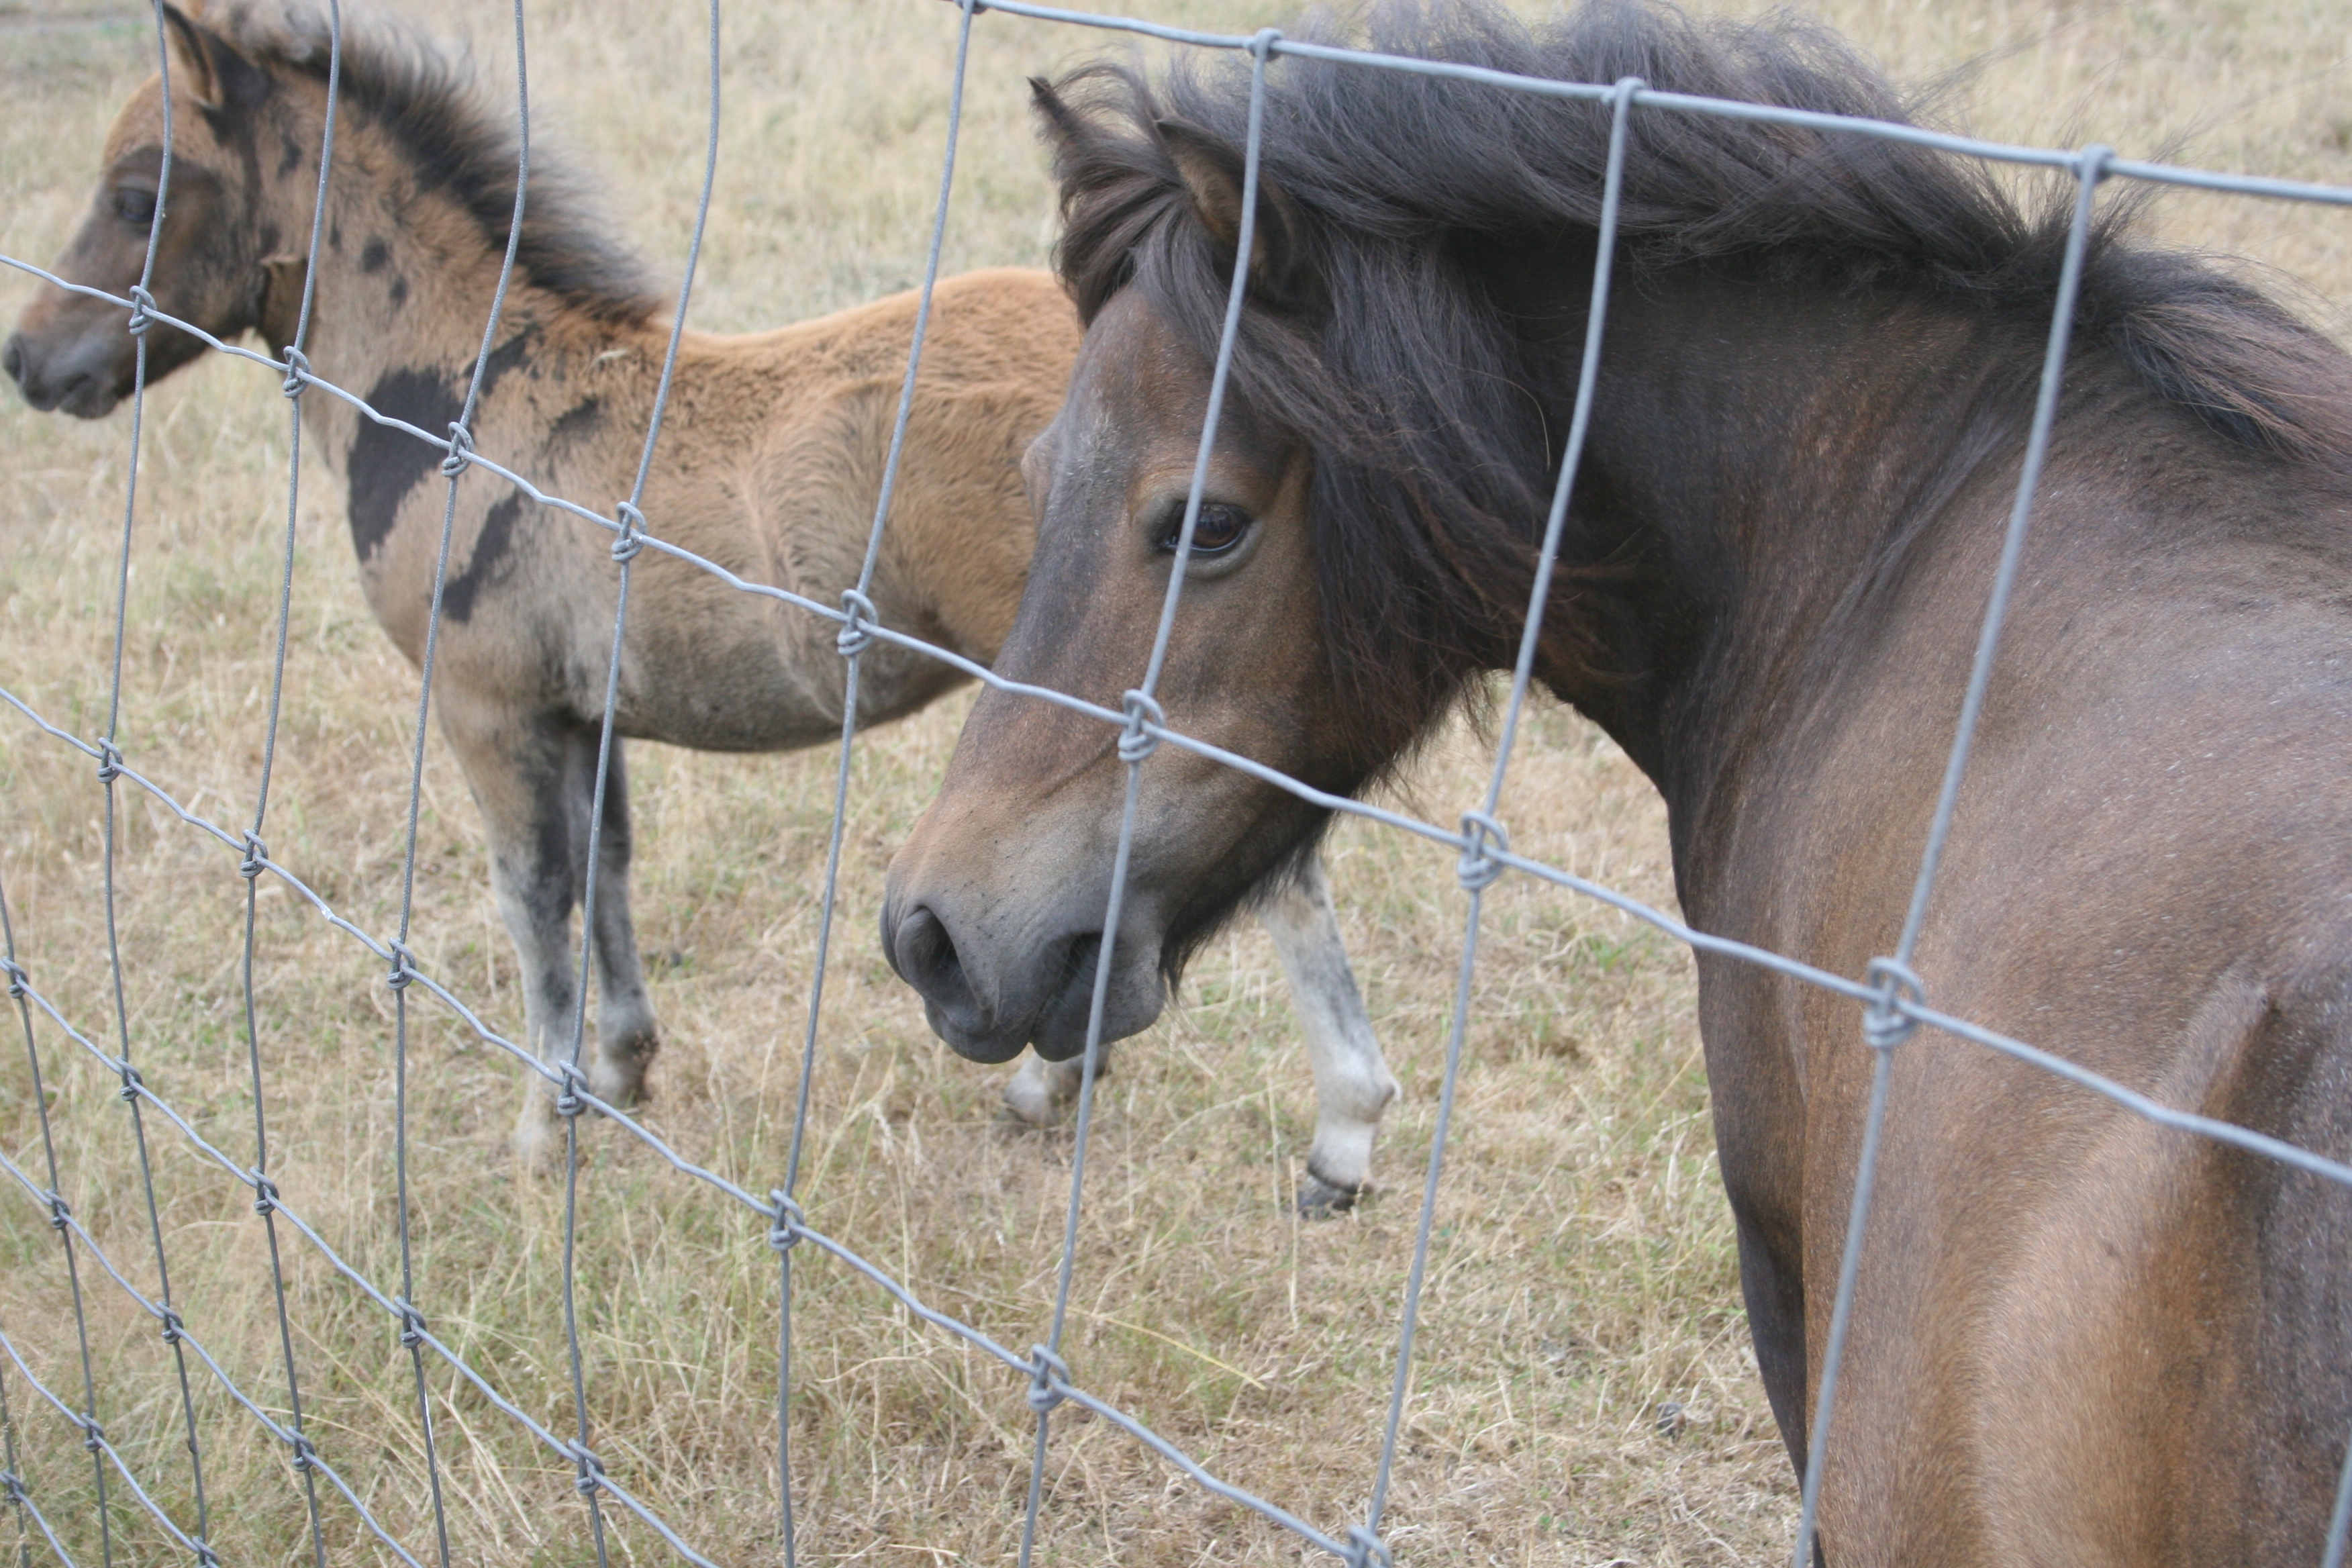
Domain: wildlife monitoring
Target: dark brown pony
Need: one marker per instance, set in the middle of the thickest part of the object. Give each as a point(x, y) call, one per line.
point(2077, 1338)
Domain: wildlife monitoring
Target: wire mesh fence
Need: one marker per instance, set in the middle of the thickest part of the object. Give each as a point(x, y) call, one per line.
point(1892, 1000)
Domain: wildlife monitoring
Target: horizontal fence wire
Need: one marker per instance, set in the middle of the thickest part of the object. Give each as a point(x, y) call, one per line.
point(1893, 1002)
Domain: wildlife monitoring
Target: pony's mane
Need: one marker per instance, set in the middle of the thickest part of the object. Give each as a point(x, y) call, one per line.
point(1412, 196)
point(441, 119)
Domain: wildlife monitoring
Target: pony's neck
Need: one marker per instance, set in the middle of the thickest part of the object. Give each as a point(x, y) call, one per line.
point(1764, 455)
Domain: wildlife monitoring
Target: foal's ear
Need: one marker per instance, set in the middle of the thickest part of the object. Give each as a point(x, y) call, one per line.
point(1213, 173)
point(207, 68)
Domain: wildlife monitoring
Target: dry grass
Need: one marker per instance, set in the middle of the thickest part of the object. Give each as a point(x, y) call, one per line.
point(1583, 1272)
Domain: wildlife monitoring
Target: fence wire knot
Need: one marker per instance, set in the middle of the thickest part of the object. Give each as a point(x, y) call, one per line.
point(461, 451)
point(786, 1233)
point(1477, 868)
point(206, 1557)
point(1883, 1023)
point(17, 978)
point(13, 1485)
point(568, 1103)
point(132, 1082)
point(1262, 42)
point(1045, 1368)
point(306, 1455)
point(404, 967)
point(61, 1215)
point(298, 372)
point(632, 537)
point(142, 310)
point(412, 1323)
point(1136, 742)
point(110, 762)
point(1365, 1548)
point(173, 1324)
point(265, 1194)
point(856, 631)
point(257, 856)
point(93, 1435)
point(591, 1478)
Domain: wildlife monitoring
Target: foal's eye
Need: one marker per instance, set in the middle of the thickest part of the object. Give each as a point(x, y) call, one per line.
point(1219, 528)
point(133, 204)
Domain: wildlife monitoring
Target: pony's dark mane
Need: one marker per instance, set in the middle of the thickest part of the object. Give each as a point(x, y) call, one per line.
point(1409, 196)
point(435, 112)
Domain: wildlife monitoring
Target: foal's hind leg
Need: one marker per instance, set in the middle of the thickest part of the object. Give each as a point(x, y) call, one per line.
point(1352, 1082)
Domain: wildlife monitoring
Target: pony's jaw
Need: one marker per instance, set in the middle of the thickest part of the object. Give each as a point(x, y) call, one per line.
point(997, 902)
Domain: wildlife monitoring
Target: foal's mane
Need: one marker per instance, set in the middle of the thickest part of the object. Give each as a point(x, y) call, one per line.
point(1411, 196)
point(433, 109)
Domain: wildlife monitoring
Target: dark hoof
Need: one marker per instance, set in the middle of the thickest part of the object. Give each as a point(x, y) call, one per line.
point(1319, 1199)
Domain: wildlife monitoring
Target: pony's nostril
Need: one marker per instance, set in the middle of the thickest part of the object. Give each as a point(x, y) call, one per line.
point(924, 954)
point(12, 358)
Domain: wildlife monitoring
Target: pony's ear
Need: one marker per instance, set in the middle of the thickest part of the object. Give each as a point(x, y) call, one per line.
point(1212, 172)
point(207, 68)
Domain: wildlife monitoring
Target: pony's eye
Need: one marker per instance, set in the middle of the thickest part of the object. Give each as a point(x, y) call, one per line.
point(133, 204)
point(1219, 528)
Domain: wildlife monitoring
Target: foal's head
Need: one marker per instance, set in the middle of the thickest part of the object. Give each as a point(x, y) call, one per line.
point(424, 183)
point(223, 259)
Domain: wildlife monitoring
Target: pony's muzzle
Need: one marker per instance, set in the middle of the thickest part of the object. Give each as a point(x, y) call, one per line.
point(987, 1004)
point(923, 954)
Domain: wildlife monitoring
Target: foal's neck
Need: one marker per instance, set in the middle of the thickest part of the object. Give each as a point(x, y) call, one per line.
point(406, 277)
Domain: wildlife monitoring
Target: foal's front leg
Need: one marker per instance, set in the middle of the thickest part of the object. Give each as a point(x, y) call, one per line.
point(534, 778)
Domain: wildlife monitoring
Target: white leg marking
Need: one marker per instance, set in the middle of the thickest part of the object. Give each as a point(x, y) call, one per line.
point(1352, 1082)
point(1039, 1091)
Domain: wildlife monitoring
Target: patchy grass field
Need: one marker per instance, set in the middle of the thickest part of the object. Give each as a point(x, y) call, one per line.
point(1583, 1272)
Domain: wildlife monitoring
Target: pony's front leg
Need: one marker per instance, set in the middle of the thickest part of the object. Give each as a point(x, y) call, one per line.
point(626, 1038)
point(1039, 1091)
point(1352, 1082)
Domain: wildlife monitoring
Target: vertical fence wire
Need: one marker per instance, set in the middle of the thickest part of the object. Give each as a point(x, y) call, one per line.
point(1478, 869)
point(18, 990)
point(413, 1330)
point(109, 767)
point(860, 613)
point(1883, 1027)
point(1135, 747)
point(589, 1480)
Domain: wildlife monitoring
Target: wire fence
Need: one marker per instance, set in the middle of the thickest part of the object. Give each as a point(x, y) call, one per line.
point(1893, 999)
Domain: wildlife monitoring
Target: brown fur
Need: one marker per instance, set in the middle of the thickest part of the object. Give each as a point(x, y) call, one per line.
point(2077, 1339)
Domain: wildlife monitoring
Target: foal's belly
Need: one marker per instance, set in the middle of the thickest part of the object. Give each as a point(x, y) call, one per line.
point(766, 696)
